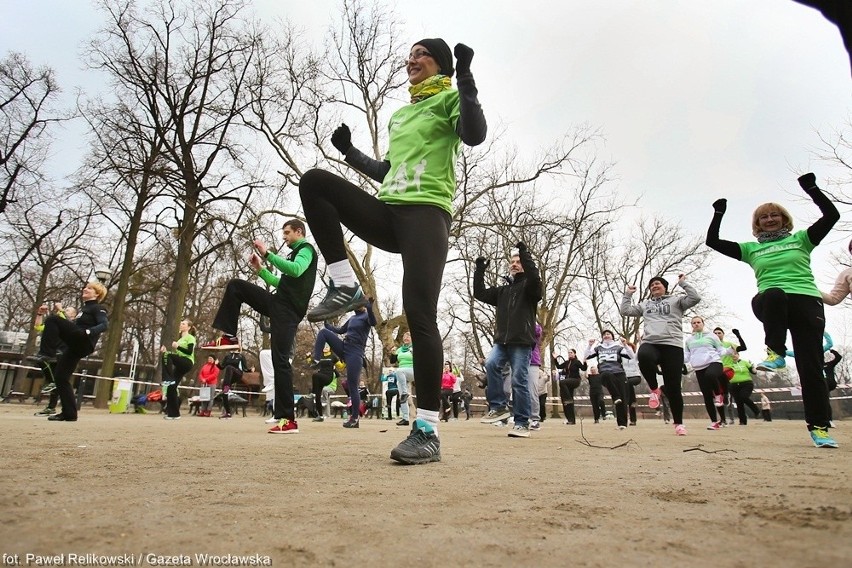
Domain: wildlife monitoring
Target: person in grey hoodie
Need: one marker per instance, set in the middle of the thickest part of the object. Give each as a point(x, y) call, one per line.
point(662, 342)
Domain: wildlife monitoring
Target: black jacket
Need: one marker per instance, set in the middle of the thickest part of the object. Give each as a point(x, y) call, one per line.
point(93, 319)
point(516, 302)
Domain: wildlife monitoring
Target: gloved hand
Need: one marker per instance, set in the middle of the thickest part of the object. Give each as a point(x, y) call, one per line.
point(720, 205)
point(464, 55)
point(521, 246)
point(808, 181)
point(482, 262)
point(736, 332)
point(342, 139)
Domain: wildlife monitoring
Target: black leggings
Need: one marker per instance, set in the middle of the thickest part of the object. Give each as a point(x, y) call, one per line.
point(742, 396)
point(319, 381)
point(709, 381)
point(566, 393)
point(419, 233)
point(616, 384)
point(670, 360)
point(596, 398)
point(230, 374)
point(174, 368)
point(389, 395)
point(804, 316)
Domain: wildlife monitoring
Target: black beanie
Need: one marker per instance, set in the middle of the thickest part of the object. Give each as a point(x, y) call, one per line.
point(440, 52)
point(661, 280)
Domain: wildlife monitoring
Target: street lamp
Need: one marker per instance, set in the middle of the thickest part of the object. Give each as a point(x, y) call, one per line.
point(103, 275)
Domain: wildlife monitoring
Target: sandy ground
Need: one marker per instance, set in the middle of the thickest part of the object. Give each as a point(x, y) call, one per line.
point(141, 486)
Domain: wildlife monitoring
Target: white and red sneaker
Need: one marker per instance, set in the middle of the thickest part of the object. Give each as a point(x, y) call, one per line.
point(224, 342)
point(654, 399)
point(285, 426)
point(715, 426)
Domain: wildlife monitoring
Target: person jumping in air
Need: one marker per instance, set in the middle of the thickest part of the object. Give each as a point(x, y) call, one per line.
point(411, 215)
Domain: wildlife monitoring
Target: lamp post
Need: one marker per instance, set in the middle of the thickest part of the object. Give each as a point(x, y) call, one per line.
point(103, 275)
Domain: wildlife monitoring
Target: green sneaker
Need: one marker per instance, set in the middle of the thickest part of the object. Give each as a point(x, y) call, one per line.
point(822, 439)
point(46, 412)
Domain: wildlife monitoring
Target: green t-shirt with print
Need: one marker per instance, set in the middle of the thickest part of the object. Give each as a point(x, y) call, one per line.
point(422, 150)
point(784, 264)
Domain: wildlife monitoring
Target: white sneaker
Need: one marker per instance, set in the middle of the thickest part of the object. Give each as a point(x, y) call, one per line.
point(535, 425)
point(519, 431)
point(271, 421)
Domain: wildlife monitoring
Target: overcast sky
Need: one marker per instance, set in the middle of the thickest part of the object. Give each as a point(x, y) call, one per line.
point(697, 100)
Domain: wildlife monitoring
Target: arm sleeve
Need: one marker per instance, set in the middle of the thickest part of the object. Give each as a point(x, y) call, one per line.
point(338, 330)
point(532, 286)
point(480, 292)
point(371, 317)
point(818, 231)
point(186, 349)
point(628, 308)
point(742, 345)
point(841, 289)
point(295, 267)
point(728, 248)
point(692, 297)
point(373, 169)
point(471, 126)
point(101, 319)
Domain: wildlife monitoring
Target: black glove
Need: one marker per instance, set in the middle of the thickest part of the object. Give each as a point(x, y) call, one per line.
point(481, 262)
point(736, 332)
point(521, 246)
point(720, 205)
point(808, 182)
point(342, 139)
point(464, 55)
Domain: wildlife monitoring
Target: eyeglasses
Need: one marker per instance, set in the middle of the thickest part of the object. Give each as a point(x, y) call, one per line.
point(417, 55)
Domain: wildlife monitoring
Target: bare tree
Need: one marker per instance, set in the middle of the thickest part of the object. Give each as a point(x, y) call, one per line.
point(27, 110)
point(184, 64)
point(654, 247)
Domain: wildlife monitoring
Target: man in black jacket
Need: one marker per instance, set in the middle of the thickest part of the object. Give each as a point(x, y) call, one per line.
point(514, 337)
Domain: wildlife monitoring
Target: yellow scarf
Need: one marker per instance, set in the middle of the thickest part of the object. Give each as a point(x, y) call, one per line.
point(431, 86)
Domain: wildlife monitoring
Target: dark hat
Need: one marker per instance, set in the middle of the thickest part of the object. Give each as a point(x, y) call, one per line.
point(440, 52)
point(609, 331)
point(659, 279)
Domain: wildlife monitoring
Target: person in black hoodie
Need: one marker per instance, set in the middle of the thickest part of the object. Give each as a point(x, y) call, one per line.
point(80, 337)
point(514, 337)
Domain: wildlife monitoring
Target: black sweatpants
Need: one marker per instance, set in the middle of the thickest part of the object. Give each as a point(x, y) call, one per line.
point(670, 360)
point(56, 331)
point(283, 321)
point(419, 233)
point(804, 316)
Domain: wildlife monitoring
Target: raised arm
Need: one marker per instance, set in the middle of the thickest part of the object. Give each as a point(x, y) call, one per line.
point(471, 126)
point(374, 169)
point(728, 248)
point(830, 215)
